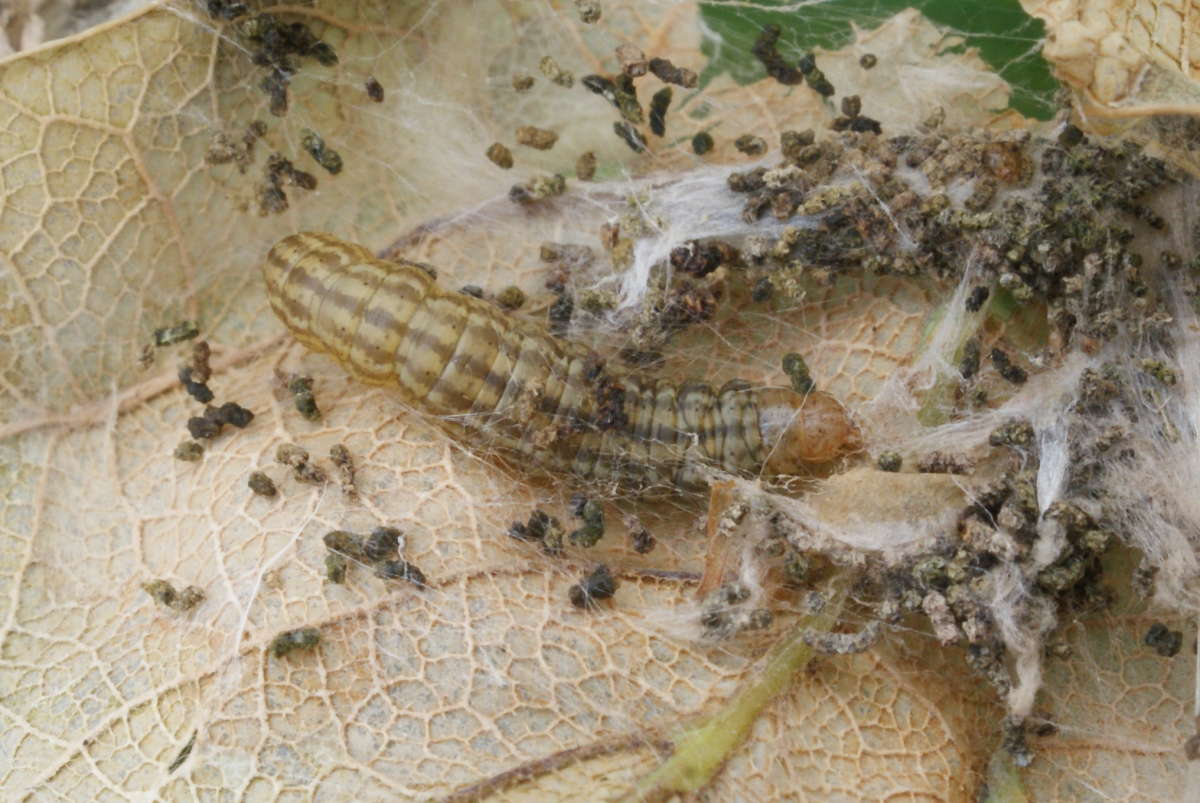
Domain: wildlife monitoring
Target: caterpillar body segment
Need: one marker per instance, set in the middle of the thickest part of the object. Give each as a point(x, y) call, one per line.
point(507, 383)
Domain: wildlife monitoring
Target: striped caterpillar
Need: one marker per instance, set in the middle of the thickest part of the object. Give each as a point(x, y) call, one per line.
point(514, 385)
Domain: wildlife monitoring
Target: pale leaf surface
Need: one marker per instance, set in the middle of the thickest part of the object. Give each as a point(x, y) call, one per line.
point(113, 225)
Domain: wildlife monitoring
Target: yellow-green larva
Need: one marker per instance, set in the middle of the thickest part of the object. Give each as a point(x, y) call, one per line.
point(507, 383)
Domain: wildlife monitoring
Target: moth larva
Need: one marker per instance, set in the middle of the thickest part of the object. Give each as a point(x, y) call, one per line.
point(511, 384)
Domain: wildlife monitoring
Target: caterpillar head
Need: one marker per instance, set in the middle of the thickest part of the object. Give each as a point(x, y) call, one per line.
point(800, 431)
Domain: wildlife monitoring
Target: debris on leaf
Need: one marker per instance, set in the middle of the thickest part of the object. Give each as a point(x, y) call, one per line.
point(165, 594)
point(261, 484)
point(304, 638)
point(597, 586)
point(668, 73)
point(170, 335)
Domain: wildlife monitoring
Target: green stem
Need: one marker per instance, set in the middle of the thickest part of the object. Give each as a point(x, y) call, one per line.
point(1004, 780)
point(703, 748)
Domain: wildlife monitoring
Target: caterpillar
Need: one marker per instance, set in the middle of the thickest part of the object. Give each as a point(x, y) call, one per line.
point(509, 383)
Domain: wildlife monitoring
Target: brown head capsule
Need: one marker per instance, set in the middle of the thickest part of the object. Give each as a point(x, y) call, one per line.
point(804, 429)
point(509, 384)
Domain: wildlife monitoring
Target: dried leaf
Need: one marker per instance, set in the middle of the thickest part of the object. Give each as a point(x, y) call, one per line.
point(114, 224)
